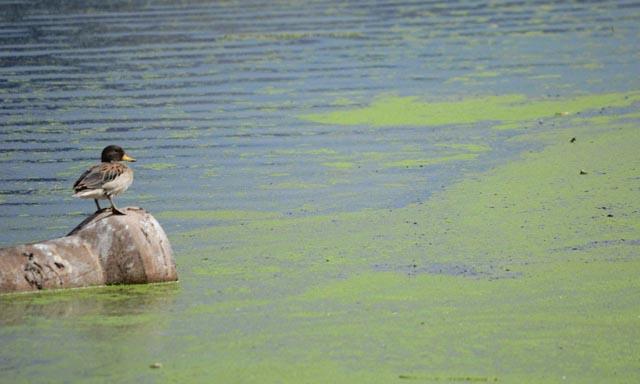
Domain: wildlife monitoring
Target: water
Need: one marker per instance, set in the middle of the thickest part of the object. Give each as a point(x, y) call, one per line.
point(209, 97)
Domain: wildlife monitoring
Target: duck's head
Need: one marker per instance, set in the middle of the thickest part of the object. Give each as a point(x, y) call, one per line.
point(115, 153)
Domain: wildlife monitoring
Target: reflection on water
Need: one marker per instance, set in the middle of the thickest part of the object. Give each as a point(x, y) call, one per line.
point(91, 307)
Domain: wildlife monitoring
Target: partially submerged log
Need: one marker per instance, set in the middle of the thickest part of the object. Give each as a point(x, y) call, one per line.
point(103, 249)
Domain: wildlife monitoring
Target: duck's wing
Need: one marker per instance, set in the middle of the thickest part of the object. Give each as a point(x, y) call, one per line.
point(96, 176)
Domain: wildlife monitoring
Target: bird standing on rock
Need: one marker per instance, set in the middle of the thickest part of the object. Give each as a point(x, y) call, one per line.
point(107, 179)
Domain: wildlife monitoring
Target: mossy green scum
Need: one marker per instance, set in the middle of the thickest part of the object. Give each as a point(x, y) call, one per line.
point(507, 109)
point(523, 273)
point(526, 273)
point(552, 299)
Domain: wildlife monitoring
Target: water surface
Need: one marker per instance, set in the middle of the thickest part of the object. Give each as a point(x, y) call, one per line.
point(216, 101)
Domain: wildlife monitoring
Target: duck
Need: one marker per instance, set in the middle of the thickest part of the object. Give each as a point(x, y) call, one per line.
point(105, 180)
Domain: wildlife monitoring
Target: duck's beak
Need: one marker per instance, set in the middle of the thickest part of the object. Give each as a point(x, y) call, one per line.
point(128, 158)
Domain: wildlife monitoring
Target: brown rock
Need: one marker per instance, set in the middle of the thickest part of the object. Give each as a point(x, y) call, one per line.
point(103, 249)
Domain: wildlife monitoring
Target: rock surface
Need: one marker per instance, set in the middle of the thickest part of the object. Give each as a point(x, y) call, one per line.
point(103, 249)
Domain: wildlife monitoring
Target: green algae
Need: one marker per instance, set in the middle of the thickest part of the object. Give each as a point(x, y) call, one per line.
point(106, 293)
point(279, 174)
point(412, 163)
point(391, 111)
point(509, 126)
point(221, 215)
point(551, 199)
point(356, 298)
point(469, 152)
point(303, 151)
point(473, 77)
point(525, 273)
point(116, 321)
point(158, 166)
point(185, 134)
point(339, 164)
point(466, 147)
point(607, 119)
point(550, 296)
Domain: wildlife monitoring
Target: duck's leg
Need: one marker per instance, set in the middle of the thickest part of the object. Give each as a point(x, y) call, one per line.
point(97, 205)
point(115, 209)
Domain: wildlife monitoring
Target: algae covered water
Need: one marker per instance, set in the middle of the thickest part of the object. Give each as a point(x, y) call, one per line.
point(355, 192)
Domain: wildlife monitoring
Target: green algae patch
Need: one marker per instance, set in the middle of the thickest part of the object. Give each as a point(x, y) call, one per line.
point(474, 77)
point(517, 330)
point(524, 273)
point(102, 293)
point(106, 306)
point(570, 194)
point(218, 215)
point(509, 126)
point(389, 111)
point(339, 164)
point(301, 151)
point(412, 163)
point(158, 166)
point(478, 148)
point(117, 321)
point(469, 152)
